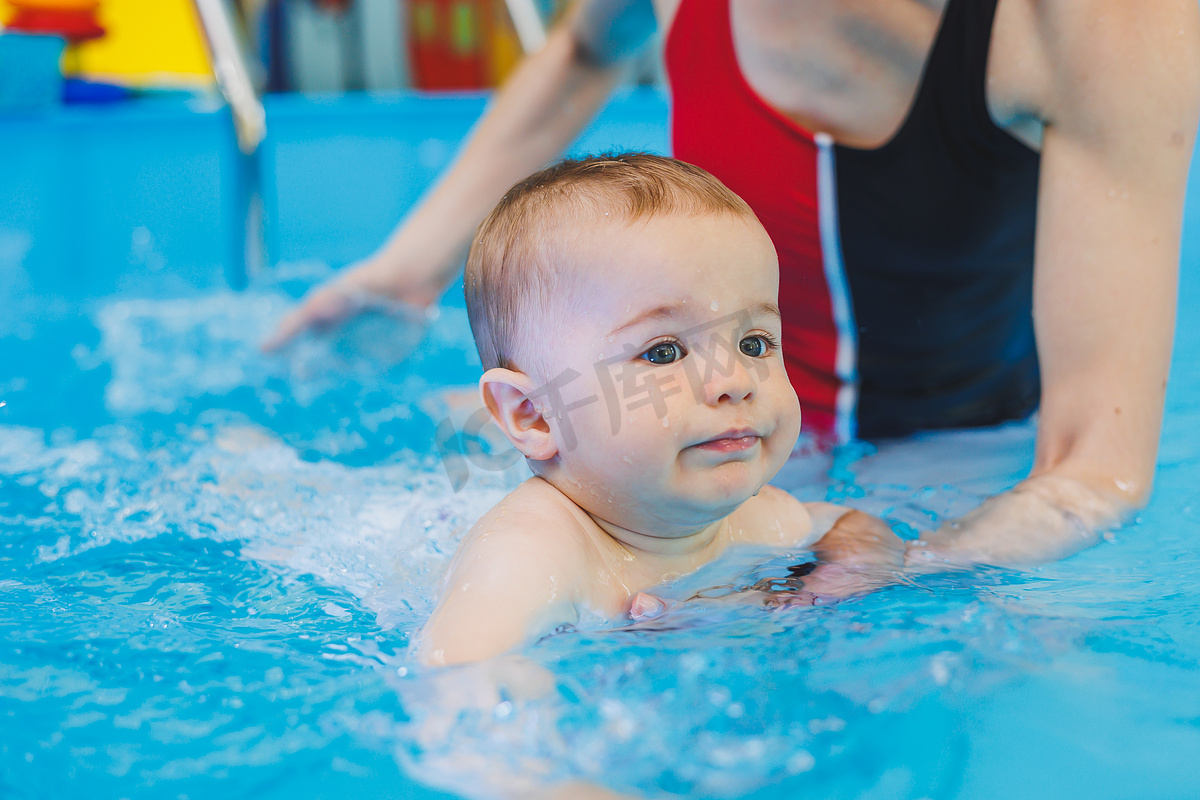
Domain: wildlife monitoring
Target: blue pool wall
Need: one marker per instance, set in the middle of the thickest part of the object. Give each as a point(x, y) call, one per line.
point(95, 199)
point(150, 195)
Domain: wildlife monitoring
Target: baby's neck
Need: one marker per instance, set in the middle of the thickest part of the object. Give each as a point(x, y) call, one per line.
point(677, 554)
point(656, 547)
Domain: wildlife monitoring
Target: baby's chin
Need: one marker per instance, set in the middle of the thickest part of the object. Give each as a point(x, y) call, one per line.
point(688, 500)
point(729, 484)
point(666, 515)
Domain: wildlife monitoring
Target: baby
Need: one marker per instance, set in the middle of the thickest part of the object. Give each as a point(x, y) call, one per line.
point(625, 310)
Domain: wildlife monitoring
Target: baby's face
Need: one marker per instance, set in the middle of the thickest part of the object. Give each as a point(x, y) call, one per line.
point(664, 386)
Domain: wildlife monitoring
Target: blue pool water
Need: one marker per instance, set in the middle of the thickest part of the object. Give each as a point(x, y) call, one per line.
point(211, 563)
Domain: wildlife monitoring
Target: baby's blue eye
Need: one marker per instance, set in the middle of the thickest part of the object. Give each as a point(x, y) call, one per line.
point(755, 346)
point(664, 353)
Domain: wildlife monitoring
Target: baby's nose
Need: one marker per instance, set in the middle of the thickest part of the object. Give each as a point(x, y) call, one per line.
point(729, 383)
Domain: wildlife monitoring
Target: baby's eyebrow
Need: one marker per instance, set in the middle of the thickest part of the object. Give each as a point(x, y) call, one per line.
point(672, 311)
point(767, 309)
point(649, 315)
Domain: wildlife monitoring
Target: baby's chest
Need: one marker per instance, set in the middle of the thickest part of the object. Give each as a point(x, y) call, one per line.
point(609, 593)
point(738, 568)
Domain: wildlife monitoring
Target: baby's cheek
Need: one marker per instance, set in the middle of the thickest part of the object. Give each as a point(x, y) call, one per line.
point(791, 415)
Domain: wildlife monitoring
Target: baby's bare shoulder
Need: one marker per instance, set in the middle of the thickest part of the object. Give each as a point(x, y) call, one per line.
point(774, 518)
point(518, 574)
point(535, 519)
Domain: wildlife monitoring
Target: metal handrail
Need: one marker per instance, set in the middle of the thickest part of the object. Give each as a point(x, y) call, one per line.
point(232, 71)
point(233, 74)
point(527, 22)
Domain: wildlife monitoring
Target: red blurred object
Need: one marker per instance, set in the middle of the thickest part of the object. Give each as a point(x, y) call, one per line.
point(449, 43)
point(75, 24)
point(423, 42)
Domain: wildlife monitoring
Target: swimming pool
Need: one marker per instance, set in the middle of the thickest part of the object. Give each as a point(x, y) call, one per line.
point(211, 561)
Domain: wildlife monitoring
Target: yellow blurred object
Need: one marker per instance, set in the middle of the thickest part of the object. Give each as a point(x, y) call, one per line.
point(149, 43)
point(504, 51)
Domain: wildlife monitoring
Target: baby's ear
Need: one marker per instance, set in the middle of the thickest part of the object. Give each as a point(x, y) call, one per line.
point(506, 393)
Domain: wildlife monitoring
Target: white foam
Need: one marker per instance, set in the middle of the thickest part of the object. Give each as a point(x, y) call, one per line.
point(383, 533)
point(164, 352)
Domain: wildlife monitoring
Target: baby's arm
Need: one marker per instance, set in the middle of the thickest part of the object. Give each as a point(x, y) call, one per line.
point(512, 581)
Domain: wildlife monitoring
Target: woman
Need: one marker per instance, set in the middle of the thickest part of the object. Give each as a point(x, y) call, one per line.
point(943, 179)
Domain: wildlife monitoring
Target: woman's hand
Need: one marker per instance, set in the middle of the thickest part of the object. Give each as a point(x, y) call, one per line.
point(384, 280)
point(861, 540)
point(859, 554)
point(540, 110)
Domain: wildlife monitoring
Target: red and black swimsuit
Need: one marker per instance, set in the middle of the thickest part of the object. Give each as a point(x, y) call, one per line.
point(906, 272)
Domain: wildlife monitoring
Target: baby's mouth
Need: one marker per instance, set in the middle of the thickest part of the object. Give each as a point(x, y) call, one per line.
point(731, 441)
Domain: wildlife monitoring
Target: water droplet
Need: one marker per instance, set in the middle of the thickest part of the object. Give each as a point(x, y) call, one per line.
point(802, 761)
point(714, 305)
point(666, 422)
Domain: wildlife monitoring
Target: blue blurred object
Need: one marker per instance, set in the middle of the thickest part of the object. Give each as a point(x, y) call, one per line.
point(30, 78)
point(77, 90)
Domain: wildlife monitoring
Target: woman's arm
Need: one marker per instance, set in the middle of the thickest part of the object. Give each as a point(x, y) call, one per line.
point(550, 98)
point(1120, 111)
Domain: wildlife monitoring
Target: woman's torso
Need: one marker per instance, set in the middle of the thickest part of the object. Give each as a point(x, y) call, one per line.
point(905, 228)
point(851, 68)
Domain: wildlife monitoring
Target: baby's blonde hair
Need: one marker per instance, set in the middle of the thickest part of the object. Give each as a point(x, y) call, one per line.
point(513, 269)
